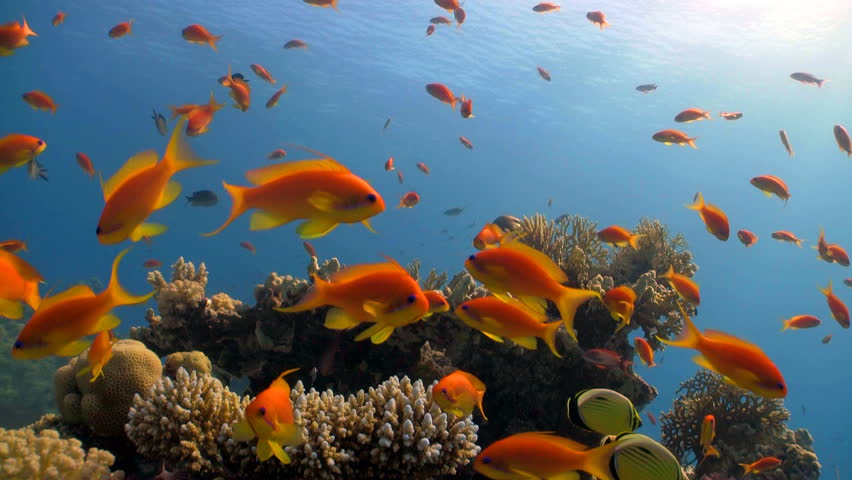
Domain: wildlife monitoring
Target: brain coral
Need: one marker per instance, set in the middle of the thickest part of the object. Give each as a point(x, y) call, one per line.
point(194, 361)
point(25, 455)
point(103, 405)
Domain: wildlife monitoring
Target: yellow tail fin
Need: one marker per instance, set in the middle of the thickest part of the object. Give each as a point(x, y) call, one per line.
point(315, 298)
point(115, 294)
point(238, 206)
point(569, 301)
point(689, 336)
point(178, 154)
point(549, 337)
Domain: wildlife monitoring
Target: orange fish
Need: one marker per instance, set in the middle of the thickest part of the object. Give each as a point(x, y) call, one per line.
point(13, 246)
point(382, 293)
point(448, 5)
point(530, 276)
point(651, 418)
point(18, 283)
point(240, 91)
point(801, 321)
point(409, 200)
point(731, 115)
point(460, 15)
point(199, 118)
point(497, 319)
point(838, 254)
point(142, 186)
point(646, 353)
point(838, 309)
point(322, 3)
point(747, 238)
point(40, 101)
point(619, 301)
point(786, 142)
point(58, 19)
point(121, 29)
point(277, 154)
point(715, 220)
point(769, 184)
point(248, 246)
point(183, 109)
point(619, 237)
point(458, 393)
point(296, 43)
point(491, 234)
point(671, 136)
point(269, 417)
point(742, 363)
point(17, 150)
point(321, 191)
point(152, 263)
point(823, 249)
point(399, 175)
point(545, 7)
point(99, 354)
point(843, 140)
point(389, 164)
point(59, 324)
point(786, 236)
point(273, 100)
point(708, 434)
point(430, 30)
point(423, 168)
point(598, 18)
point(467, 144)
point(763, 465)
point(543, 73)
point(261, 72)
point(13, 36)
point(85, 163)
point(437, 301)
point(310, 249)
point(466, 109)
point(684, 286)
point(691, 114)
point(198, 34)
point(442, 93)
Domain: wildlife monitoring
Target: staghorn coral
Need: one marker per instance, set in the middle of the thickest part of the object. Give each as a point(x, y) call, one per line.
point(179, 420)
point(748, 427)
point(103, 405)
point(27, 455)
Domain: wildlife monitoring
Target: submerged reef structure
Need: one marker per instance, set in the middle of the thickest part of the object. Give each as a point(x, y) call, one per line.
point(27, 455)
point(748, 427)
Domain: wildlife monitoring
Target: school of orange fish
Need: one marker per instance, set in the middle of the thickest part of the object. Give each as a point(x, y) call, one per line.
point(323, 193)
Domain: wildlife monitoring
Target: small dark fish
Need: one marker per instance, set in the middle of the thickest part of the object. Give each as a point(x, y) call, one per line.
point(387, 124)
point(36, 170)
point(453, 212)
point(310, 249)
point(826, 339)
point(807, 78)
point(549, 202)
point(847, 282)
point(399, 175)
point(235, 76)
point(647, 87)
point(248, 246)
point(152, 263)
point(804, 411)
point(295, 43)
point(160, 122)
point(202, 198)
point(562, 218)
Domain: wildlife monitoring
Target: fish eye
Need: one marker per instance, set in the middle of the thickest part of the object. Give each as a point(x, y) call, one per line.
point(486, 460)
point(443, 390)
point(18, 344)
point(472, 258)
point(780, 386)
point(371, 198)
point(40, 143)
point(98, 230)
point(411, 298)
point(465, 307)
point(262, 411)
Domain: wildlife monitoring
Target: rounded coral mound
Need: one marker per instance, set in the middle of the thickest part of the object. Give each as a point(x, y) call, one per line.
point(27, 455)
point(193, 361)
point(103, 405)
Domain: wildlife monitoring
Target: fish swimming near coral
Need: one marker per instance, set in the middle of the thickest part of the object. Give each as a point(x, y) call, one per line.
point(19, 282)
point(763, 465)
point(619, 301)
point(715, 220)
point(99, 354)
point(603, 411)
point(708, 434)
point(458, 393)
point(619, 237)
point(646, 353)
point(683, 285)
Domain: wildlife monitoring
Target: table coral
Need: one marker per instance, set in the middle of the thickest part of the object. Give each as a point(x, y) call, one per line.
point(748, 427)
point(27, 455)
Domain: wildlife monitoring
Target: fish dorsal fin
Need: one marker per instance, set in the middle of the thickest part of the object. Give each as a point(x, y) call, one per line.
point(727, 337)
point(539, 258)
point(24, 269)
point(140, 161)
point(260, 176)
point(356, 271)
point(477, 383)
point(73, 292)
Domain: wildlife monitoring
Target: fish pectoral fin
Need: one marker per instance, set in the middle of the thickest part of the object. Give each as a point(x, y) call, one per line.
point(11, 309)
point(338, 319)
point(324, 201)
point(73, 349)
point(492, 336)
point(264, 449)
point(242, 431)
point(374, 308)
point(378, 333)
point(170, 193)
point(529, 343)
point(369, 227)
point(316, 227)
point(702, 362)
point(264, 221)
point(107, 322)
point(279, 452)
point(147, 230)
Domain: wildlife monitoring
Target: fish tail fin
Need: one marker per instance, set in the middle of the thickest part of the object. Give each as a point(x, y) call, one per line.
point(115, 293)
point(316, 297)
point(213, 104)
point(697, 202)
point(569, 300)
point(179, 156)
point(29, 31)
point(597, 460)
point(746, 467)
point(280, 380)
point(827, 290)
point(707, 115)
point(334, 5)
point(549, 337)
point(820, 82)
point(634, 240)
point(213, 40)
point(689, 337)
point(786, 324)
point(691, 142)
point(239, 206)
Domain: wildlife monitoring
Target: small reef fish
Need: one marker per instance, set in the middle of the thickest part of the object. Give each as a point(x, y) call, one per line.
point(442, 93)
point(448, 5)
point(39, 100)
point(603, 411)
point(310, 249)
point(423, 168)
point(13, 246)
point(747, 238)
point(847, 282)
point(807, 78)
point(647, 87)
point(14, 36)
point(651, 418)
point(598, 18)
point(453, 212)
point(236, 76)
point(322, 3)
point(296, 43)
point(58, 19)
point(389, 164)
point(17, 150)
point(202, 198)
point(99, 354)
point(708, 434)
point(440, 20)
point(466, 109)
point(619, 301)
point(262, 72)
point(801, 321)
point(838, 254)
point(786, 142)
point(458, 393)
point(763, 465)
point(269, 417)
point(399, 176)
point(545, 7)
point(543, 73)
point(121, 29)
point(715, 220)
point(460, 16)
point(240, 91)
point(731, 115)
point(199, 35)
point(381, 293)
point(409, 200)
point(671, 136)
point(844, 143)
point(387, 124)
point(200, 117)
point(19, 282)
point(786, 236)
point(467, 143)
point(184, 109)
point(277, 154)
point(491, 234)
point(619, 237)
point(273, 100)
point(497, 319)
point(61, 322)
point(531, 276)
point(691, 115)
point(152, 263)
point(823, 248)
point(248, 246)
point(770, 184)
point(839, 311)
point(742, 363)
point(142, 186)
point(321, 191)
point(603, 359)
point(437, 302)
point(646, 353)
point(430, 30)
point(160, 123)
point(826, 339)
point(85, 163)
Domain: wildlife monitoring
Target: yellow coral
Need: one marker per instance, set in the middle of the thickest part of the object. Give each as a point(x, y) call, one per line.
point(193, 361)
point(25, 455)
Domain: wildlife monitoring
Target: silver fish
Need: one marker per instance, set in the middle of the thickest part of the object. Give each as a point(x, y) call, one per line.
point(36, 170)
point(807, 78)
point(160, 122)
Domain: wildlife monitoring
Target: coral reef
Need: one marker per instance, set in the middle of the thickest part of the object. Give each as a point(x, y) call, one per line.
point(27, 455)
point(461, 288)
point(103, 405)
point(194, 361)
point(748, 427)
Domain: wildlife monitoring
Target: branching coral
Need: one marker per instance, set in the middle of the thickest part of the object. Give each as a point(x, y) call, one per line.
point(27, 455)
point(571, 241)
point(748, 427)
point(461, 288)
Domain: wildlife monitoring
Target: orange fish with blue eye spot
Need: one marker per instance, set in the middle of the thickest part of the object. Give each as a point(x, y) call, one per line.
point(458, 393)
point(646, 353)
point(18, 149)
point(18, 283)
point(197, 34)
point(497, 319)
point(269, 418)
point(491, 234)
point(763, 465)
point(618, 236)
point(39, 100)
point(99, 354)
point(684, 286)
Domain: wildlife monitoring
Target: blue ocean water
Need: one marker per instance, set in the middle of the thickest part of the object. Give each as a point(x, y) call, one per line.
point(583, 140)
